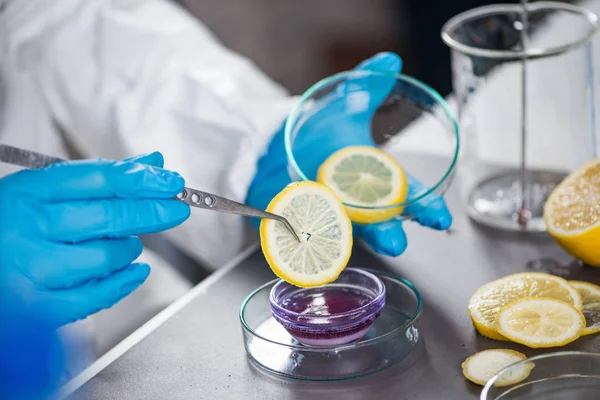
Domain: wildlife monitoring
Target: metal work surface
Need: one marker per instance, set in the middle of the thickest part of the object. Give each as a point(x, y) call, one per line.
point(198, 353)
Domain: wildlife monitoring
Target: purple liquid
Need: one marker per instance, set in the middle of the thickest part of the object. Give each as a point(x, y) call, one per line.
point(328, 301)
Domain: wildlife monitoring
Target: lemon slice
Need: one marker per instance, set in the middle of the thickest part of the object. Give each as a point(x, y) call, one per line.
point(367, 177)
point(318, 217)
point(572, 213)
point(590, 298)
point(540, 322)
point(491, 297)
point(481, 366)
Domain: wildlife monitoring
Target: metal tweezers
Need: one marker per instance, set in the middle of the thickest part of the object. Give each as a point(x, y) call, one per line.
point(195, 198)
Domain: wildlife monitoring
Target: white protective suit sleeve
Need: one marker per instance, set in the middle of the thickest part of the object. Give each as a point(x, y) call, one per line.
point(124, 77)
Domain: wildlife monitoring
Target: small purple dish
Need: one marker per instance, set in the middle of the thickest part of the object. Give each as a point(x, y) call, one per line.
point(338, 313)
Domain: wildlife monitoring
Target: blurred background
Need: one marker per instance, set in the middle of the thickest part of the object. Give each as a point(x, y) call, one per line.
point(298, 43)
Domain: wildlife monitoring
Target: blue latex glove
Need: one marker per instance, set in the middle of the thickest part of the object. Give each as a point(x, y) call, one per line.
point(68, 232)
point(33, 358)
point(313, 148)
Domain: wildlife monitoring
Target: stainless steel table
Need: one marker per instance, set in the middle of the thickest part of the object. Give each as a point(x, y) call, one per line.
point(194, 349)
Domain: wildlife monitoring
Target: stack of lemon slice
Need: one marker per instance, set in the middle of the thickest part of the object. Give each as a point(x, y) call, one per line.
point(508, 309)
point(535, 309)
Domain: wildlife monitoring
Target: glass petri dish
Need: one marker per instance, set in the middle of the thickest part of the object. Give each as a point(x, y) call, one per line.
point(390, 339)
point(555, 376)
point(392, 112)
point(338, 313)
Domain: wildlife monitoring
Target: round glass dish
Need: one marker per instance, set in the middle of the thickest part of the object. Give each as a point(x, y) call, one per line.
point(555, 376)
point(390, 339)
point(334, 314)
point(396, 113)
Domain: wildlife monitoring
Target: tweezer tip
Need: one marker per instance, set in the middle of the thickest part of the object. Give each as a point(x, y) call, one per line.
point(292, 231)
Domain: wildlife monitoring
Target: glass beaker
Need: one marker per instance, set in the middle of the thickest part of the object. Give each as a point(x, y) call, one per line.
point(557, 101)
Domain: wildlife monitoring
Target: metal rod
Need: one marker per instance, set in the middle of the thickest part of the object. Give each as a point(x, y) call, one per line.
point(208, 201)
point(523, 216)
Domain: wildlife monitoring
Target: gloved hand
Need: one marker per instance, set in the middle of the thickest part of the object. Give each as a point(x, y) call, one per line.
point(33, 356)
point(312, 147)
point(67, 232)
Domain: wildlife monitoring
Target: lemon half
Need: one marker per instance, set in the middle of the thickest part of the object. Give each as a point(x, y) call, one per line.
point(367, 177)
point(482, 366)
point(491, 297)
point(590, 298)
point(540, 322)
point(572, 213)
point(319, 218)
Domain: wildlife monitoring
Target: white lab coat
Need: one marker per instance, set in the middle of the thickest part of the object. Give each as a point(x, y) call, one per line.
point(116, 78)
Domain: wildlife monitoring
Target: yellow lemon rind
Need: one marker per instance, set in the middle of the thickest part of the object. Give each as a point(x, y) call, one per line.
point(588, 331)
point(365, 216)
point(583, 246)
point(486, 331)
point(587, 285)
point(583, 285)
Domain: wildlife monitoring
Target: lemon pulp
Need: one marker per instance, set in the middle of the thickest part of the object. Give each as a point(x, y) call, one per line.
point(540, 322)
point(368, 179)
point(318, 217)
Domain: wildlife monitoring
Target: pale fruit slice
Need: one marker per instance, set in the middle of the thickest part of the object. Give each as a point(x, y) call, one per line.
point(540, 322)
point(491, 297)
point(590, 298)
point(367, 177)
point(572, 213)
point(325, 230)
point(481, 366)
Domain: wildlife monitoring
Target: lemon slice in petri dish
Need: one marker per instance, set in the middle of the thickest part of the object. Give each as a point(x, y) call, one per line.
point(572, 213)
point(540, 322)
point(590, 298)
point(481, 366)
point(367, 177)
point(491, 297)
point(325, 231)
